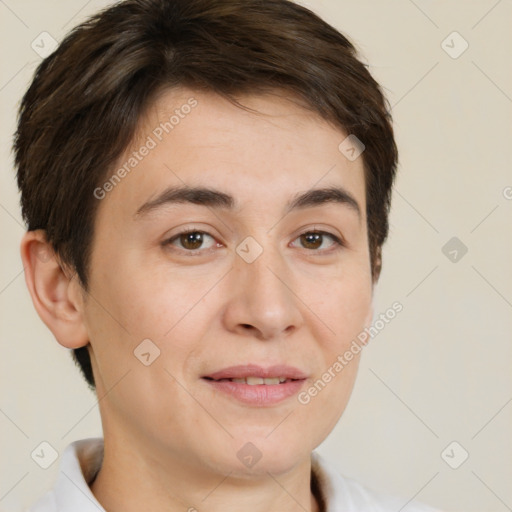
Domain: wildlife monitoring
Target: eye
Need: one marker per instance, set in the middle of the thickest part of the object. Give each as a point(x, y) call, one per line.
point(314, 240)
point(192, 240)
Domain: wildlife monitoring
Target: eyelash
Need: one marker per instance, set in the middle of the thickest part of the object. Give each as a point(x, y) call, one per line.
point(338, 242)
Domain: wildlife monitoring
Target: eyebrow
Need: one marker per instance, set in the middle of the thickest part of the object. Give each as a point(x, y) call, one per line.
point(212, 198)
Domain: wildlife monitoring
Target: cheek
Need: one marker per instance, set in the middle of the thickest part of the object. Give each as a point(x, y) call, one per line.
point(133, 307)
point(149, 303)
point(342, 305)
point(143, 333)
point(341, 308)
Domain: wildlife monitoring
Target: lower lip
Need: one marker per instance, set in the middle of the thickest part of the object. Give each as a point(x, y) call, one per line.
point(260, 394)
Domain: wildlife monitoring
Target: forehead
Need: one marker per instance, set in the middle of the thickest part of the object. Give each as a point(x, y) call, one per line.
point(198, 138)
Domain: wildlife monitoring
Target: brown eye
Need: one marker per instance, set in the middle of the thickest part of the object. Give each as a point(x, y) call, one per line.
point(311, 240)
point(192, 240)
point(314, 240)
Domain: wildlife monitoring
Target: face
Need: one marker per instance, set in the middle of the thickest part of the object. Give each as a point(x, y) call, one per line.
point(264, 274)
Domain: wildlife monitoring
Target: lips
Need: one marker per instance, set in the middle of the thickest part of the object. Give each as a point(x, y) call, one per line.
point(257, 386)
point(250, 372)
point(255, 381)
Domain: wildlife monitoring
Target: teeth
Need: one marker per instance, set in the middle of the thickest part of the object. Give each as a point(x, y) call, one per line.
point(254, 381)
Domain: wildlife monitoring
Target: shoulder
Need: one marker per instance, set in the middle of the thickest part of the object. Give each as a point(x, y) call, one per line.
point(46, 503)
point(79, 463)
point(342, 493)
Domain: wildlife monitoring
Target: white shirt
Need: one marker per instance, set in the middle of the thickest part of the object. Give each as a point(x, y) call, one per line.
point(82, 459)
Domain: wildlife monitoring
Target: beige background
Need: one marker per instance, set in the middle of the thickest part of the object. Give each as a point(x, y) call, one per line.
point(441, 370)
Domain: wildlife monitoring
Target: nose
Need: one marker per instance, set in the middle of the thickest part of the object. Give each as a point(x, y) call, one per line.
point(262, 300)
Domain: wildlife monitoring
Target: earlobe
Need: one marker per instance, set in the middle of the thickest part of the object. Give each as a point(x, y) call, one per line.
point(369, 316)
point(364, 336)
point(53, 291)
point(377, 265)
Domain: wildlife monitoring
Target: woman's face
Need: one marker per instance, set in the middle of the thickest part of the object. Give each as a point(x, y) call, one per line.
point(266, 284)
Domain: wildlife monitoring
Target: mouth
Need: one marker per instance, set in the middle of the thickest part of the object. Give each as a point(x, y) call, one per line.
point(255, 385)
point(253, 371)
point(256, 381)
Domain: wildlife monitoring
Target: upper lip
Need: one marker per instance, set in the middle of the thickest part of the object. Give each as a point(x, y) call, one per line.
point(253, 370)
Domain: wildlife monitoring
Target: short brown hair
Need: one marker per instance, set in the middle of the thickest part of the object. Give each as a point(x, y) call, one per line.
point(82, 108)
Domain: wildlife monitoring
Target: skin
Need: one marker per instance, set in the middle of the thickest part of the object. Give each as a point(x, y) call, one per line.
point(171, 441)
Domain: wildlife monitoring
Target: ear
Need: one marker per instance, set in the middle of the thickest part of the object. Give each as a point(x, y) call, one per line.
point(369, 316)
point(55, 292)
point(377, 265)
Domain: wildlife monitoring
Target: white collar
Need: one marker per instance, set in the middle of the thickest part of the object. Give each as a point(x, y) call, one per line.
point(81, 461)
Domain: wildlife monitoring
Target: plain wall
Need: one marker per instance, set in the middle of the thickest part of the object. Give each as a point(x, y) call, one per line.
point(437, 373)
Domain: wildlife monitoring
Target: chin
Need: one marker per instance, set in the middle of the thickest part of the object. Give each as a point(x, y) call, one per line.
point(257, 453)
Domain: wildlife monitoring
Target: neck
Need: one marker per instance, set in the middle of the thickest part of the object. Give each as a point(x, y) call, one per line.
point(132, 480)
